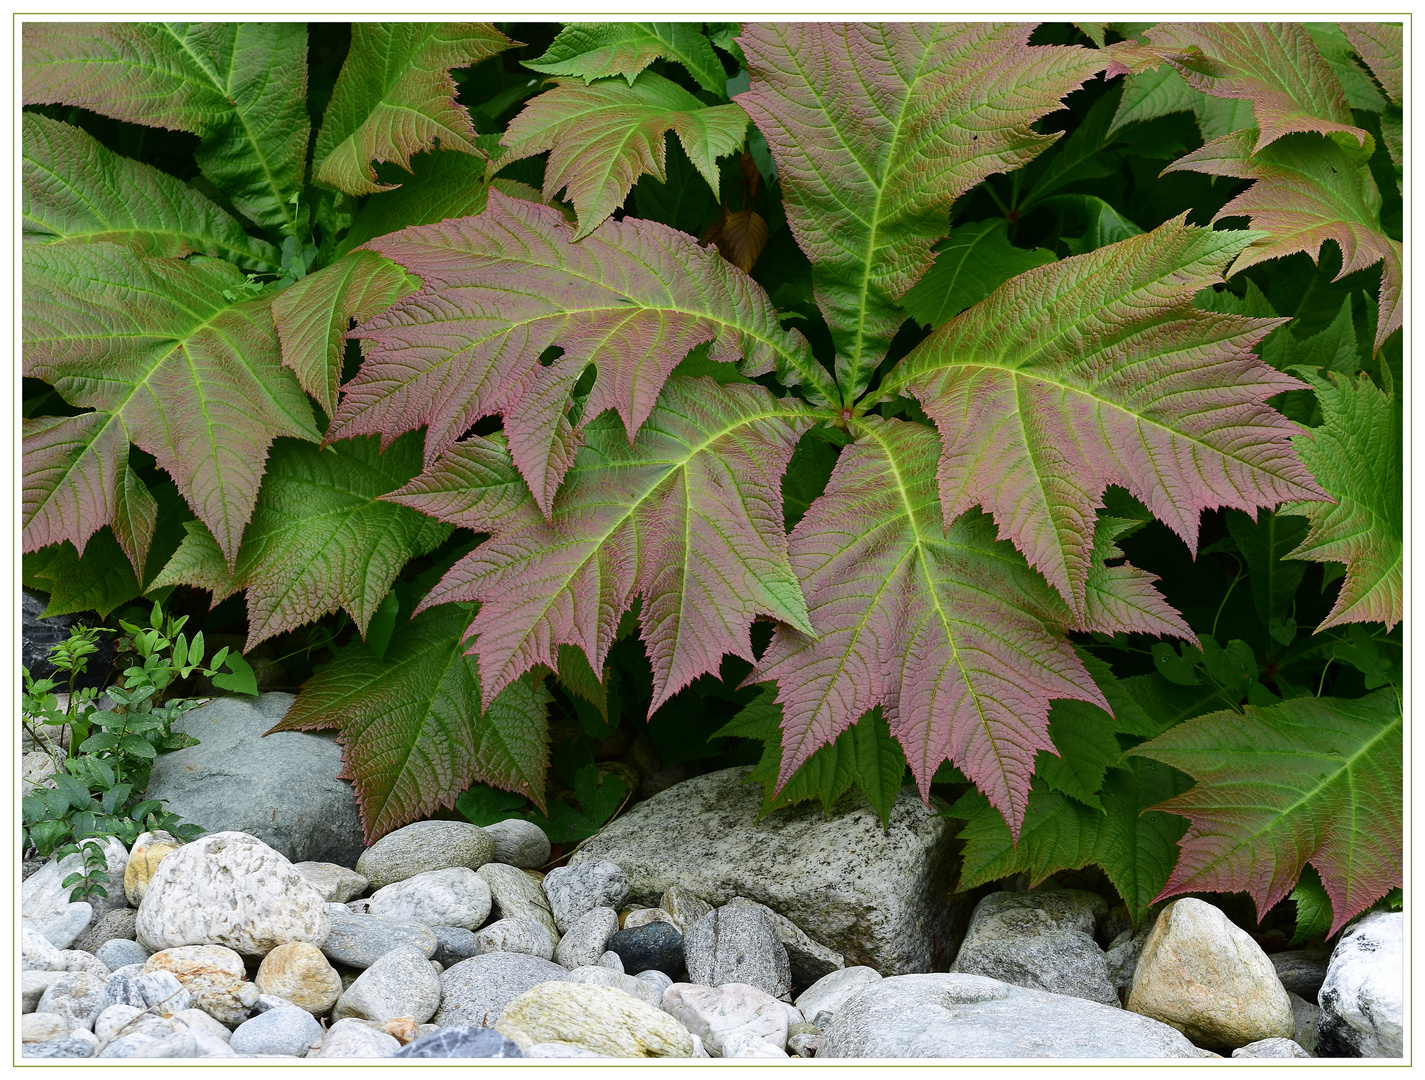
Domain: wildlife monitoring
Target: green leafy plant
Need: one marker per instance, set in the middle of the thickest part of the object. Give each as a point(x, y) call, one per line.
point(899, 471)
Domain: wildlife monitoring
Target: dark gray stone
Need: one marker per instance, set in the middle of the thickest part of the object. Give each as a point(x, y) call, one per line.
point(454, 944)
point(116, 925)
point(282, 789)
point(1302, 971)
point(737, 944)
point(476, 991)
point(358, 941)
point(878, 897)
point(655, 946)
point(461, 1041)
point(970, 1016)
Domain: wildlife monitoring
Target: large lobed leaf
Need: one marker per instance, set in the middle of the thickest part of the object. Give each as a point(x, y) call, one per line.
point(320, 538)
point(1308, 190)
point(632, 298)
point(592, 51)
point(241, 86)
point(688, 516)
point(169, 363)
point(1311, 779)
point(78, 191)
point(876, 130)
point(949, 631)
point(414, 733)
point(395, 97)
point(604, 135)
point(1097, 370)
point(1356, 456)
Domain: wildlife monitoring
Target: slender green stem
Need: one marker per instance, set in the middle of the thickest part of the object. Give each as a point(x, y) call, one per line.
point(1225, 597)
point(1322, 684)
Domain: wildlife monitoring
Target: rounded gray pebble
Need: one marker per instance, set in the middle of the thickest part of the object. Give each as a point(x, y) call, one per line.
point(120, 952)
point(284, 1030)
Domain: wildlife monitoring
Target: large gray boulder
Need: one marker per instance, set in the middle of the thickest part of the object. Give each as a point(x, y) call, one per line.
point(878, 898)
point(971, 1016)
point(282, 789)
point(1363, 997)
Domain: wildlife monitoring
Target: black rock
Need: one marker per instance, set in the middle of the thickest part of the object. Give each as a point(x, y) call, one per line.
point(655, 945)
point(38, 636)
point(454, 944)
point(461, 1041)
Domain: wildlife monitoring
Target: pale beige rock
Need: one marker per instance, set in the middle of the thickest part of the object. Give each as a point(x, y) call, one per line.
point(300, 973)
point(198, 1020)
point(38, 1027)
point(517, 894)
point(644, 916)
point(352, 1038)
point(683, 907)
point(214, 977)
point(336, 884)
point(229, 889)
point(148, 851)
point(1206, 977)
point(597, 1018)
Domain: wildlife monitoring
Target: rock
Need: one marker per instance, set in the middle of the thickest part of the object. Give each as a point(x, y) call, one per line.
point(38, 1027)
point(424, 846)
point(358, 941)
point(878, 898)
point(33, 985)
point(654, 946)
point(454, 896)
point(475, 991)
point(77, 960)
point(560, 1050)
point(611, 960)
point(157, 990)
point(514, 894)
point(42, 893)
point(155, 1038)
point(198, 1020)
point(61, 927)
point(352, 1038)
point(78, 1044)
point(37, 952)
point(1305, 1016)
point(574, 891)
point(335, 884)
point(820, 1001)
point(808, 959)
point(597, 1018)
point(1363, 996)
point(971, 1016)
point(281, 1031)
point(737, 944)
point(461, 1041)
point(643, 916)
point(282, 788)
point(1117, 920)
point(803, 1045)
point(148, 851)
point(602, 976)
point(519, 843)
point(586, 938)
point(76, 996)
point(115, 926)
point(268, 1002)
point(116, 1020)
point(401, 983)
point(741, 1045)
point(654, 977)
point(1270, 1048)
point(513, 935)
point(300, 973)
point(1206, 977)
point(683, 907)
point(455, 943)
point(1040, 940)
point(215, 978)
point(229, 889)
point(1302, 971)
point(731, 1016)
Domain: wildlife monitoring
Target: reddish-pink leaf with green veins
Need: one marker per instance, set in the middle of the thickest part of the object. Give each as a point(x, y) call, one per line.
point(947, 629)
point(689, 517)
point(633, 298)
point(1098, 370)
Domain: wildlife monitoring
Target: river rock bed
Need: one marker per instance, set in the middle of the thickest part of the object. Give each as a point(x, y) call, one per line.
point(682, 930)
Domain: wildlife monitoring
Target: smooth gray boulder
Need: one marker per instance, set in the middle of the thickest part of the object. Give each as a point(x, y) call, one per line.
point(878, 898)
point(971, 1016)
point(282, 789)
point(476, 991)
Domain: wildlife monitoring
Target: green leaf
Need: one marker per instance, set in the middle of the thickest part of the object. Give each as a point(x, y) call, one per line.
point(78, 191)
point(599, 796)
point(977, 259)
point(1356, 456)
point(97, 744)
point(1151, 94)
point(413, 733)
point(876, 130)
point(1314, 779)
point(243, 679)
point(592, 51)
point(1082, 156)
point(1313, 907)
point(395, 98)
point(1103, 225)
point(1083, 736)
point(1264, 543)
point(101, 580)
point(321, 538)
point(578, 677)
point(137, 746)
point(166, 361)
point(382, 625)
point(486, 805)
point(241, 86)
point(604, 135)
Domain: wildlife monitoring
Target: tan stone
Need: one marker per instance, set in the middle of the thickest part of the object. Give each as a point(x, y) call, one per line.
point(597, 1018)
point(300, 973)
point(148, 851)
point(213, 975)
point(1206, 977)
